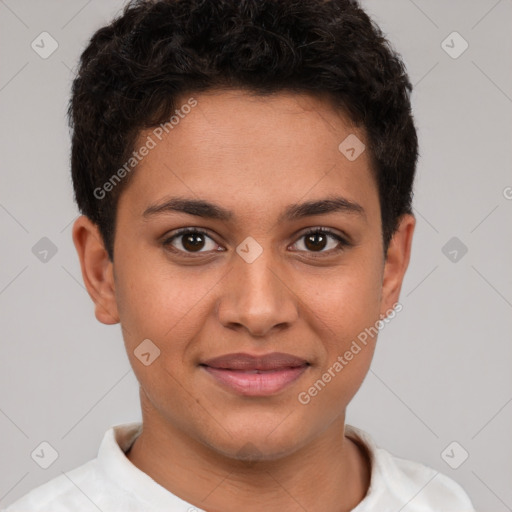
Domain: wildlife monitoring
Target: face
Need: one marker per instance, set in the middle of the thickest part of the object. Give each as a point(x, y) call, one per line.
point(251, 299)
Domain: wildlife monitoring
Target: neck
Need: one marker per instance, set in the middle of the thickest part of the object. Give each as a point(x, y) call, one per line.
point(330, 474)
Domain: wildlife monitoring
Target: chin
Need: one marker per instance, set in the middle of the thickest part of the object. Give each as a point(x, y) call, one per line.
point(251, 443)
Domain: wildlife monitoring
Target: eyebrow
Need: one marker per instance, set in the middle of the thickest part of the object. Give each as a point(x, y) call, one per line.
point(206, 209)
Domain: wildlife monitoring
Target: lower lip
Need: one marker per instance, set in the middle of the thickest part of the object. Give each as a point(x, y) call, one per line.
point(256, 384)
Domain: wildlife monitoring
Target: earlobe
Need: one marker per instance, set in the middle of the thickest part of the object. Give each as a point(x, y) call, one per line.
point(397, 261)
point(97, 269)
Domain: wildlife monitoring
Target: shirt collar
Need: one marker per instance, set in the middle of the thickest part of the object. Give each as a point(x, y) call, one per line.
point(117, 467)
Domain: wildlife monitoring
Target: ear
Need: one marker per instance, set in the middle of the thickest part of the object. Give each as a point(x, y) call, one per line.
point(397, 261)
point(97, 269)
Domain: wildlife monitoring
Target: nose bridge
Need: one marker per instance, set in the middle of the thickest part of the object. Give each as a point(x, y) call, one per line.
point(256, 296)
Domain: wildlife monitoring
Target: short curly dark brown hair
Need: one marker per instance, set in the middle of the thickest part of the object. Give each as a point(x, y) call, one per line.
point(133, 71)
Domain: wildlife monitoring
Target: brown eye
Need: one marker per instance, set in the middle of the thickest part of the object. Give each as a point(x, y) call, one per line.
point(190, 241)
point(315, 241)
point(193, 241)
point(318, 239)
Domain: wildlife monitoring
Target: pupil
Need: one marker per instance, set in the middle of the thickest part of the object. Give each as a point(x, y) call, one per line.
point(314, 239)
point(188, 241)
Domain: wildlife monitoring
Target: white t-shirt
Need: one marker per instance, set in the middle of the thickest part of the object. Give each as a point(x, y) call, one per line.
point(111, 483)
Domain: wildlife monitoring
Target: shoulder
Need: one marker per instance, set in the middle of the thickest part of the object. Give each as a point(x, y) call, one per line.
point(431, 487)
point(397, 481)
point(61, 494)
point(88, 487)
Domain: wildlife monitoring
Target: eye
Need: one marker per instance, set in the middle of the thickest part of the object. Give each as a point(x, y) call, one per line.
point(317, 239)
point(190, 241)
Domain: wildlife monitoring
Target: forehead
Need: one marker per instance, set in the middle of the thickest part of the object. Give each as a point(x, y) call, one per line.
point(241, 149)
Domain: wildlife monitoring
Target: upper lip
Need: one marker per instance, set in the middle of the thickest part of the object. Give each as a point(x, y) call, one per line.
point(241, 361)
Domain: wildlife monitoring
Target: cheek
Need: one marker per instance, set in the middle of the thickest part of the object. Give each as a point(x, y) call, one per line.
point(156, 300)
point(345, 313)
point(168, 306)
point(160, 308)
point(347, 301)
point(345, 309)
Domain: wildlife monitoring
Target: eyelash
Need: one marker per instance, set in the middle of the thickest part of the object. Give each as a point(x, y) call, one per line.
point(343, 243)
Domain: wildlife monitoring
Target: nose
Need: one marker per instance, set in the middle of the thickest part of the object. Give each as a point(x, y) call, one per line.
point(257, 296)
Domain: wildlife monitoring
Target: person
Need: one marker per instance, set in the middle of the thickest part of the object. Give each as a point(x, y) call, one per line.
point(244, 170)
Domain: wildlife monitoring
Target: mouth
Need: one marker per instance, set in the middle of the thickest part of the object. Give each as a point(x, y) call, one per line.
point(255, 375)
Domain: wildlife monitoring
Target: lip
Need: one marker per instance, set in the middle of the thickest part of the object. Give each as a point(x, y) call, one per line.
point(256, 375)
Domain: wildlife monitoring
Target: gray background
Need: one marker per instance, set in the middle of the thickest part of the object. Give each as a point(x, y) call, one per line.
point(442, 370)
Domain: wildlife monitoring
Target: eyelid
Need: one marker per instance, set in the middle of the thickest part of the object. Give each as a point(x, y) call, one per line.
point(342, 239)
point(168, 239)
point(327, 231)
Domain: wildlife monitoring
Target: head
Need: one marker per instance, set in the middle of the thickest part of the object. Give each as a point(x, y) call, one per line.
point(255, 122)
